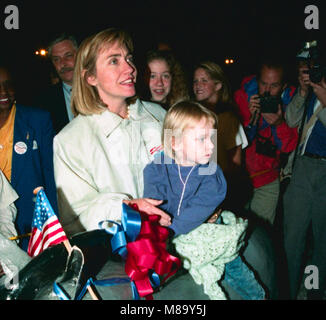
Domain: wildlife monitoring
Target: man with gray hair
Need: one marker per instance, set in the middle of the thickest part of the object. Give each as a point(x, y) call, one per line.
point(56, 99)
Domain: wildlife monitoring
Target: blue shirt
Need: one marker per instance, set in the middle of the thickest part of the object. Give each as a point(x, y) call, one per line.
point(191, 203)
point(67, 93)
point(316, 143)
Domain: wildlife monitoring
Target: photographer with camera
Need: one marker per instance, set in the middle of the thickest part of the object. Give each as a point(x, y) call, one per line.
point(305, 197)
point(262, 99)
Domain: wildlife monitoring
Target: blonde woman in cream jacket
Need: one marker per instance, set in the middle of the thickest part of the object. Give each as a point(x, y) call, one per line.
point(99, 157)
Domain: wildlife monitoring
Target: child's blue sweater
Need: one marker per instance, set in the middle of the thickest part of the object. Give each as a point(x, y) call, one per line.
point(190, 204)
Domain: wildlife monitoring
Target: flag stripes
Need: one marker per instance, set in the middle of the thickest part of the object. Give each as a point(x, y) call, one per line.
point(46, 228)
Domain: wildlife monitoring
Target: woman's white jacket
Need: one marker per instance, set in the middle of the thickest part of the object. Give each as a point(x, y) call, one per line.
point(99, 161)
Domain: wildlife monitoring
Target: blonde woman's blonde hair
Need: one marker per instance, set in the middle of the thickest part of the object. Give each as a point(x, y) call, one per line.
point(217, 74)
point(181, 116)
point(85, 99)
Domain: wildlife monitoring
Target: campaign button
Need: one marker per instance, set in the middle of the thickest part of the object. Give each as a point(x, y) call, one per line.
point(20, 147)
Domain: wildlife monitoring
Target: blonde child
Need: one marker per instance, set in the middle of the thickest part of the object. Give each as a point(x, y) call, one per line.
point(192, 186)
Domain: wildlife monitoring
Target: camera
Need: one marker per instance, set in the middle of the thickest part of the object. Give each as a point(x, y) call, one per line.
point(268, 103)
point(265, 146)
point(311, 53)
point(316, 73)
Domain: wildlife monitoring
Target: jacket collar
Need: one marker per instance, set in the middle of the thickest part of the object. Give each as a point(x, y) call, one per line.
point(22, 128)
point(109, 121)
point(138, 111)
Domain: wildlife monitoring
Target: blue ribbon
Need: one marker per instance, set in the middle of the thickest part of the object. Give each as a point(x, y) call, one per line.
point(154, 279)
point(125, 232)
point(63, 295)
point(60, 292)
point(122, 233)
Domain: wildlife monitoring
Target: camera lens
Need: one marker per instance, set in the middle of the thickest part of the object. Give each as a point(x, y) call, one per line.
point(316, 74)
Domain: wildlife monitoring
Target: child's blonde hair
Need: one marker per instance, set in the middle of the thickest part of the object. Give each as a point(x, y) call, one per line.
point(180, 116)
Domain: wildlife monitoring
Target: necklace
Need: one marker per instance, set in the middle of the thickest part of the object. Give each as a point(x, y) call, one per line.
point(184, 183)
point(128, 111)
point(126, 116)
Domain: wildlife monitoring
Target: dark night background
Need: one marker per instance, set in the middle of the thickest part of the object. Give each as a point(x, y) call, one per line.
point(196, 30)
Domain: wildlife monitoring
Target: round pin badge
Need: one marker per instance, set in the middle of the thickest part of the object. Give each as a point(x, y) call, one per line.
point(20, 147)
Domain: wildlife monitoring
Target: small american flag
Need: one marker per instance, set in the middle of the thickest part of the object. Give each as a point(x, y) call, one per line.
point(46, 228)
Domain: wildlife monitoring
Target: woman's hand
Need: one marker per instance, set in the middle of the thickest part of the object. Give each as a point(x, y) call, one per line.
point(148, 206)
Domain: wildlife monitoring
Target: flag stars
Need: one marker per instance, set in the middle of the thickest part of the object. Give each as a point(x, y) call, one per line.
point(46, 228)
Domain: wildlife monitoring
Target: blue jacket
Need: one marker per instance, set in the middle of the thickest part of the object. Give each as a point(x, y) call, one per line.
point(202, 194)
point(34, 167)
point(317, 140)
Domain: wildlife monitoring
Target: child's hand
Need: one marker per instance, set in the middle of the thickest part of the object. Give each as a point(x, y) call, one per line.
point(214, 217)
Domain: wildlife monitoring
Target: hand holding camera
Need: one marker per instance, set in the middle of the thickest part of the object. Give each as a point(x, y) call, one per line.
point(313, 72)
point(274, 119)
point(268, 106)
point(254, 108)
point(320, 91)
point(318, 88)
point(304, 80)
point(269, 103)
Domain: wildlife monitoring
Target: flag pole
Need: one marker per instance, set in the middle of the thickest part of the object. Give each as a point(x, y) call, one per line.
point(69, 249)
point(20, 236)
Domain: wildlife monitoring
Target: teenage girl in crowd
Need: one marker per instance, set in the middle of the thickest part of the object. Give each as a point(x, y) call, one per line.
point(165, 80)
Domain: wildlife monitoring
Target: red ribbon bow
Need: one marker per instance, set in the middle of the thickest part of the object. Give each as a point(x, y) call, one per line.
point(148, 253)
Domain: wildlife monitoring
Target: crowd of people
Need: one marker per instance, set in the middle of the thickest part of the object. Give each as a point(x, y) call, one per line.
point(93, 142)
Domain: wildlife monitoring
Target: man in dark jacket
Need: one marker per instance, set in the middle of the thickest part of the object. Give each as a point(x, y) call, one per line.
point(56, 99)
